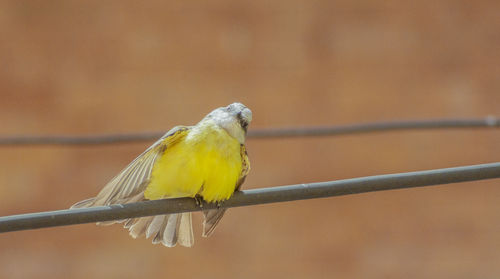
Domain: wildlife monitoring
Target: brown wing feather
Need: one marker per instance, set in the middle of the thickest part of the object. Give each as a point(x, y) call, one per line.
point(213, 216)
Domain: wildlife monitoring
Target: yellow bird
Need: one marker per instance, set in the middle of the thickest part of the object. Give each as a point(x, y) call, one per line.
point(207, 160)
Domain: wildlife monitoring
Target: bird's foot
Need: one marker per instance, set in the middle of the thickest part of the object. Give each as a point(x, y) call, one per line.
point(199, 201)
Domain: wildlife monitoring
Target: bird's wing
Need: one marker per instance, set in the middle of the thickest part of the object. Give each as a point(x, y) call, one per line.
point(130, 183)
point(213, 216)
point(245, 166)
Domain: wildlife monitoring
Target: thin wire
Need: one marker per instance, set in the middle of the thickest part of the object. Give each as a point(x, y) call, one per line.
point(252, 197)
point(487, 122)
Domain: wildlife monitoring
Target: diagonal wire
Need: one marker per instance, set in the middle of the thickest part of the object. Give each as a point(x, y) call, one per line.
point(252, 197)
point(487, 122)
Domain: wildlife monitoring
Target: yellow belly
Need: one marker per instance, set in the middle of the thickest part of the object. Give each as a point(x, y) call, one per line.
point(206, 162)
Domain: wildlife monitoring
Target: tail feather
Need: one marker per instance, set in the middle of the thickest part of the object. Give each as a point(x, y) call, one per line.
point(157, 225)
point(159, 236)
point(170, 231)
point(185, 235)
point(167, 229)
point(140, 227)
point(212, 219)
point(130, 222)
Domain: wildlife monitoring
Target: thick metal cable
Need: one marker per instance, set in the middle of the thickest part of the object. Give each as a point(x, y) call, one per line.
point(487, 122)
point(253, 197)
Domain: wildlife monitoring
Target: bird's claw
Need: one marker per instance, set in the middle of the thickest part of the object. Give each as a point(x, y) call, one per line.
point(199, 201)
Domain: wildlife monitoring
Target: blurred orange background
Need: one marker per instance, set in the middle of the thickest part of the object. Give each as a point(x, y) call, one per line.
point(89, 67)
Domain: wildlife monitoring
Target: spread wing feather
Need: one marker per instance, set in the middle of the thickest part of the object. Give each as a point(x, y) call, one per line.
point(129, 185)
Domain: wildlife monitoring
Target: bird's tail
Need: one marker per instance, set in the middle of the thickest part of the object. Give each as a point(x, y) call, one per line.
point(168, 229)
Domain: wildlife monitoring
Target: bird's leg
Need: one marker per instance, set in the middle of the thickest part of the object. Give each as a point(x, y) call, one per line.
point(199, 200)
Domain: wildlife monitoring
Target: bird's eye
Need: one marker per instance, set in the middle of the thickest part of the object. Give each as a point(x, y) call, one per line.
point(243, 122)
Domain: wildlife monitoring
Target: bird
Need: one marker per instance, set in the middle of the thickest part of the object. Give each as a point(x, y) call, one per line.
point(208, 161)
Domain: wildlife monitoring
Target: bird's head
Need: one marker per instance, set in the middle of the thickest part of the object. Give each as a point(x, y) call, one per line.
point(234, 118)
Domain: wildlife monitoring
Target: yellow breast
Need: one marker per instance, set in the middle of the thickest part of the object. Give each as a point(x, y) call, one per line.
point(206, 161)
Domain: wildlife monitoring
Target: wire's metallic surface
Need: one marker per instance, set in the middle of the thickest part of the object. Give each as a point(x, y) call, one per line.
point(487, 122)
point(80, 140)
point(253, 197)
